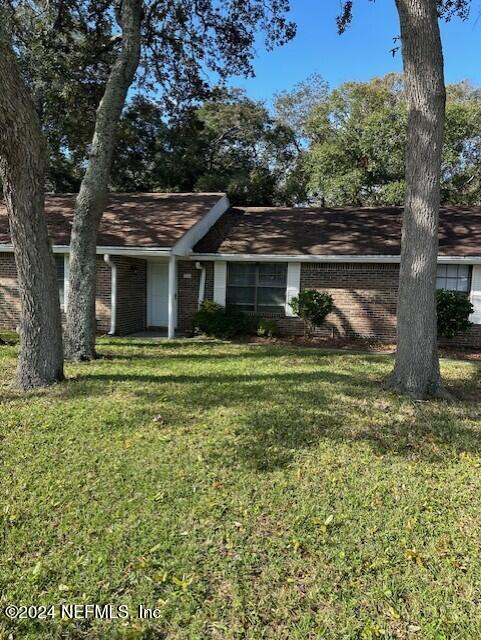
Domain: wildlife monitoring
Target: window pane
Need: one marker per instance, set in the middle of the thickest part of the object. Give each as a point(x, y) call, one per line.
point(454, 277)
point(240, 295)
point(272, 274)
point(60, 265)
point(239, 273)
point(256, 287)
point(271, 296)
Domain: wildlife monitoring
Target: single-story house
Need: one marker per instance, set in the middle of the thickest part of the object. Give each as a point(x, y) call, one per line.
point(160, 255)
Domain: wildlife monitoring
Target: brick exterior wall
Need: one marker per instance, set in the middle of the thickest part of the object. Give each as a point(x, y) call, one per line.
point(131, 294)
point(364, 298)
point(188, 281)
point(9, 298)
point(364, 295)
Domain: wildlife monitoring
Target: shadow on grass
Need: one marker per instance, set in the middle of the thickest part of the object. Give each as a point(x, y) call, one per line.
point(281, 413)
point(270, 440)
point(274, 415)
point(229, 379)
point(362, 413)
point(251, 352)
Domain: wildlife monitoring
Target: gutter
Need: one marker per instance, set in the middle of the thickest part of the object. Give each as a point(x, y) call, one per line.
point(141, 252)
point(113, 295)
point(200, 299)
point(272, 257)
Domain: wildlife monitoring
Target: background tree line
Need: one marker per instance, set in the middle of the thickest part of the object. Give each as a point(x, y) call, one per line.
point(342, 146)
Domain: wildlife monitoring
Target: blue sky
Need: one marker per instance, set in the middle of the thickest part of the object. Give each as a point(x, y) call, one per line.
point(361, 53)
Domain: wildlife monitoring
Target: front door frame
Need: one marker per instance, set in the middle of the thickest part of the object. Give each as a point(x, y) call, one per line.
point(150, 265)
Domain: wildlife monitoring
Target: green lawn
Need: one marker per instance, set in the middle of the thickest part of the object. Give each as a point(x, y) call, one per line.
point(246, 491)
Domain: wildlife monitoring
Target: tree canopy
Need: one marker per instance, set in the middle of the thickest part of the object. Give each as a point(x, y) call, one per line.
point(189, 49)
point(231, 145)
point(447, 9)
point(342, 146)
point(356, 140)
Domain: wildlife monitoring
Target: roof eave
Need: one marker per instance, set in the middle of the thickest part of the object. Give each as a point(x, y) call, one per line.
point(272, 257)
point(113, 251)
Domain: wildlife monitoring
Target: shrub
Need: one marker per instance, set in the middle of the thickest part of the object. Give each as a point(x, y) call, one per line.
point(312, 306)
point(221, 322)
point(453, 311)
point(267, 328)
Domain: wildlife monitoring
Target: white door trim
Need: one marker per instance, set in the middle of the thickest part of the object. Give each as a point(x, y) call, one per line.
point(151, 283)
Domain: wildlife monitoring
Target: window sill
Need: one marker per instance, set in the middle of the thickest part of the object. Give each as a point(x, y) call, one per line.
point(277, 315)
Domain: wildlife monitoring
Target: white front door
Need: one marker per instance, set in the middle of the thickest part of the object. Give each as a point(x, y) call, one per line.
point(157, 294)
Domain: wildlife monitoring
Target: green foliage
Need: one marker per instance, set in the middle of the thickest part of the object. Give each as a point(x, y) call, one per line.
point(9, 338)
point(217, 321)
point(294, 108)
point(188, 50)
point(231, 144)
point(181, 474)
point(312, 306)
point(343, 147)
point(447, 9)
point(267, 328)
point(356, 139)
point(453, 311)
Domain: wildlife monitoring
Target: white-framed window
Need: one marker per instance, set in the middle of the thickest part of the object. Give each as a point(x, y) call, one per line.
point(257, 287)
point(454, 277)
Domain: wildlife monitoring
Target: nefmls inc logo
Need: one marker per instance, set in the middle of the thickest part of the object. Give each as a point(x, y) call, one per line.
point(94, 611)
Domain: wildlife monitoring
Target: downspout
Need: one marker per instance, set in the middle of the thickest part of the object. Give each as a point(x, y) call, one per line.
point(172, 296)
point(113, 295)
point(200, 299)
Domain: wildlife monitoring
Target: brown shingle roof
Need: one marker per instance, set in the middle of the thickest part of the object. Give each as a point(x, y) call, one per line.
point(130, 220)
point(315, 231)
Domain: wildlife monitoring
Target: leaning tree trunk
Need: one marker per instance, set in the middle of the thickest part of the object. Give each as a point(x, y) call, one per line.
point(91, 200)
point(416, 369)
point(22, 170)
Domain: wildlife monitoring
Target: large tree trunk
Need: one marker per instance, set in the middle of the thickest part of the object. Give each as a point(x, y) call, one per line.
point(91, 200)
point(22, 170)
point(416, 370)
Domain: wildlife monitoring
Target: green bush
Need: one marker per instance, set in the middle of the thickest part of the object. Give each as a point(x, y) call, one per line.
point(267, 328)
point(312, 306)
point(453, 311)
point(222, 322)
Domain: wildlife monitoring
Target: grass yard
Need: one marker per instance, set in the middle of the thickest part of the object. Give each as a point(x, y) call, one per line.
point(246, 491)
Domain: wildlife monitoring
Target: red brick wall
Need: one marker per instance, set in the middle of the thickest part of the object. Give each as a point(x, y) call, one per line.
point(188, 280)
point(9, 298)
point(131, 294)
point(364, 297)
point(471, 339)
